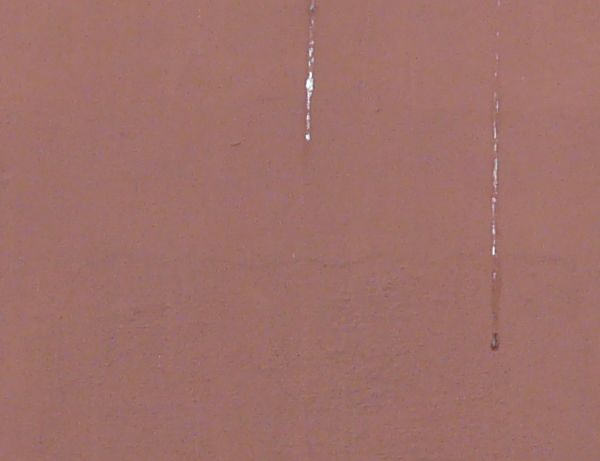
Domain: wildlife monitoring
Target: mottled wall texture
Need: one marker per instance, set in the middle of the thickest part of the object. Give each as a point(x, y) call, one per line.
point(284, 230)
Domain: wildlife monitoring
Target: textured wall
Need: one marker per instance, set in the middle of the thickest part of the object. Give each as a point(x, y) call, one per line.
point(184, 277)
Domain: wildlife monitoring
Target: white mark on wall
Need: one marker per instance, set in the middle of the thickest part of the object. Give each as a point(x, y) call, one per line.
point(310, 78)
point(495, 171)
point(495, 185)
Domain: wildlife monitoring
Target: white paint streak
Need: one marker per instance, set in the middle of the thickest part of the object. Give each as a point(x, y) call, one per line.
point(310, 78)
point(495, 185)
point(495, 146)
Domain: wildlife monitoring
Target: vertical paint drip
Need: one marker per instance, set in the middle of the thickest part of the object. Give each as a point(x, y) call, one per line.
point(496, 280)
point(310, 78)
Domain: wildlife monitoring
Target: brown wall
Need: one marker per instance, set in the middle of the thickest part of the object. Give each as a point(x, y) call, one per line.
point(183, 277)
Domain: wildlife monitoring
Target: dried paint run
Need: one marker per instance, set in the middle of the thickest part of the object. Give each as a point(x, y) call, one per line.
point(496, 282)
point(310, 78)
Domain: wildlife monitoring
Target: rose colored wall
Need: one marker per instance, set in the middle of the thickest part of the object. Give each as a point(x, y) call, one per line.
point(182, 277)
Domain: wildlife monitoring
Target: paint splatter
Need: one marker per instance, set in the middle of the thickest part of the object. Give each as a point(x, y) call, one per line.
point(496, 280)
point(310, 78)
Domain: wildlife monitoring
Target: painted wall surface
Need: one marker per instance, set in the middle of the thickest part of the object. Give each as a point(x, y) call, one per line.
point(183, 276)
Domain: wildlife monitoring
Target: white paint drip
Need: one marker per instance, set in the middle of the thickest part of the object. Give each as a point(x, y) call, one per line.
point(310, 78)
point(495, 147)
point(495, 187)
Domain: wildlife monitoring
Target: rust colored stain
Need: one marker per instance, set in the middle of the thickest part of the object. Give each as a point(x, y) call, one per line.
point(184, 277)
